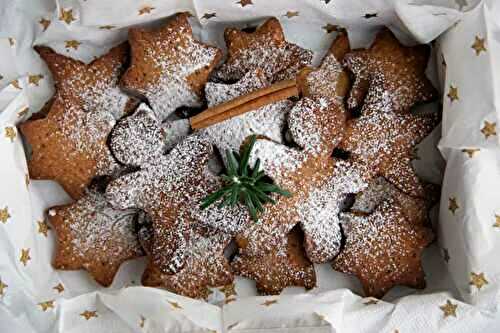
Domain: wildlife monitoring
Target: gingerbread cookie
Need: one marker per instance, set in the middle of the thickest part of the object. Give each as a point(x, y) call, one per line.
point(267, 121)
point(383, 248)
point(169, 67)
point(69, 143)
point(385, 140)
point(330, 79)
point(380, 189)
point(319, 184)
point(286, 266)
point(205, 266)
point(267, 49)
point(390, 73)
point(94, 236)
point(169, 188)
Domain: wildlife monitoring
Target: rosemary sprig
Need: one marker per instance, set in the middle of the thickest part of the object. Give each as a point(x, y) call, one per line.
point(243, 184)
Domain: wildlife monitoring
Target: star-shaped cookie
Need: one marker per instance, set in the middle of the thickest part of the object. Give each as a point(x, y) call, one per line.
point(268, 121)
point(69, 143)
point(286, 266)
point(386, 141)
point(94, 236)
point(168, 187)
point(383, 249)
point(265, 48)
point(318, 183)
point(205, 266)
point(391, 72)
point(330, 79)
point(168, 66)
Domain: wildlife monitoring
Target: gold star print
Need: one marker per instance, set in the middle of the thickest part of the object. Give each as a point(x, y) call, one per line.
point(372, 301)
point(46, 305)
point(175, 305)
point(44, 23)
point(10, 133)
point(74, 44)
point(244, 3)
point(23, 112)
point(4, 214)
point(12, 41)
point(146, 10)
point(446, 255)
point(478, 280)
point(497, 221)
point(3, 286)
point(478, 45)
point(329, 28)
point(15, 84)
point(471, 152)
point(43, 228)
point(290, 14)
point(107, 27)
point(66, 15)
point(35, 79)
point(142, 322)
point(229, 300)
point(89, 314)
point(270, 302)
point(449, 309)
point(453, 205)
point(228, 290)
point(59, 288)
point(25, 256)
point(230, 327)
point(453, 94)
point(208, 16)
point(489, 129)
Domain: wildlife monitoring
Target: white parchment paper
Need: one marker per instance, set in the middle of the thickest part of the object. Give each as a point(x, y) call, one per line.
point(36, 298)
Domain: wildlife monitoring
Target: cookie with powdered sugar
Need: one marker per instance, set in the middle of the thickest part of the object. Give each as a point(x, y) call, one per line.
point(268, 121)
point(286, 266)
point(68, 142)
point(169, 187)
point(267, 49)
point(205, 266)
point(383, 248)
point(330, 79)
point(318, 183)
point(390, 71)
point(386, 140)
point(94, 236)
point(169, 66)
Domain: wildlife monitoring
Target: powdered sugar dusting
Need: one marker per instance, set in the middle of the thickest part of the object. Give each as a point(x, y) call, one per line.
point(93, 103)
point(264, 49)
point(383, 249)
point(97, 228)
point(175, 59)
point(320, 208)
point(267, 121)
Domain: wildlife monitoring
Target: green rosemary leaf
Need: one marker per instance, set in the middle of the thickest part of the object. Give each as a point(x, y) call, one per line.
point(271, 188)
point(232, 164)
point(256, 201)
point(245, 156)
point(210, 199)
point(251, 207)
point(263, 197)
point(234, 196)
point(256, 167)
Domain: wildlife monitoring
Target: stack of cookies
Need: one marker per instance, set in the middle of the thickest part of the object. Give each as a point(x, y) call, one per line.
point(116, 137)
